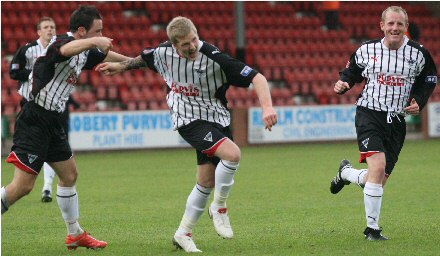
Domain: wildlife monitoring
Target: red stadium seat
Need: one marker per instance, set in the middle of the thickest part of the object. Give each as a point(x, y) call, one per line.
point(112, 93)
point(154, 105)
point(142, 105)
point(101, 93)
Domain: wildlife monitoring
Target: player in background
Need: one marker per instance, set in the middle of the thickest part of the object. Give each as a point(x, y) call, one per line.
point(198, 75)
point(39, 134)
point(400, 77)
point(21, 67)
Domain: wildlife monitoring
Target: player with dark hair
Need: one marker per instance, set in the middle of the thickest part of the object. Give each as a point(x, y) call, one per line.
point(39, 134)
point(400, 77)
point(198, 75)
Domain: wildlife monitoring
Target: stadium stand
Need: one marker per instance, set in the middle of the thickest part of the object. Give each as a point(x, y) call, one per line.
point(286, 41)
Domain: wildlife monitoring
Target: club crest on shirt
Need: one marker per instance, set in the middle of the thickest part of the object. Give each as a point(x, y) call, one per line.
point(200, 73)
point(411, 61)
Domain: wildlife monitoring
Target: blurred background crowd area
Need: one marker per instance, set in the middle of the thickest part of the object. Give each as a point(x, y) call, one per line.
point(299, 46)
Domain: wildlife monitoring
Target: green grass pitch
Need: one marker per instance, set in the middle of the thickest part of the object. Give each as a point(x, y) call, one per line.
point(280, 204)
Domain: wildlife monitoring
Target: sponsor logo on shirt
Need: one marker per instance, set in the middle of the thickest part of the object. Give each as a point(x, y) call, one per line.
point(15, 66)
point(190, 90)
point(72, 79)
point(246, 71)
point(375, 58)
point(390, 80)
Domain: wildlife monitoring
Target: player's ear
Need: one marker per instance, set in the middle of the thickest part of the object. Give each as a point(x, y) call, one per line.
point(82, 31)
point(382, 25)
point(406, 27)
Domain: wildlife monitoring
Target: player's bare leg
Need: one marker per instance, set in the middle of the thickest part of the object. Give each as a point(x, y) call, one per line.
point(21, 185)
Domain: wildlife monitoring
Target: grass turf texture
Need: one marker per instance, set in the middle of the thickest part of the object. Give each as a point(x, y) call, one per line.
point(280, 205)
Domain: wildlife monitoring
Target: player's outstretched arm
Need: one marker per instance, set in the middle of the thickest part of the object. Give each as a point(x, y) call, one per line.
point(115, 57)
point(270, 116)
point(111, 68)
point(78, 46)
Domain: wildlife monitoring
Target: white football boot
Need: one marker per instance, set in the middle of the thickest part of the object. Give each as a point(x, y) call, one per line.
point(222, 224)
point(185, 242)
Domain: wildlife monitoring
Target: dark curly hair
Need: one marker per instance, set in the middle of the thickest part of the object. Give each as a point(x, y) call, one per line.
point(84, 17)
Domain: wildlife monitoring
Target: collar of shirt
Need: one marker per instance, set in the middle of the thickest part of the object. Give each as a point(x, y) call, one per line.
point(406, 39)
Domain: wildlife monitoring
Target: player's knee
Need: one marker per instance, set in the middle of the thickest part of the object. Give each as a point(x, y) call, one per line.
point(229, 151)
point(236, 157)
point(234, 154)
point(69, 178)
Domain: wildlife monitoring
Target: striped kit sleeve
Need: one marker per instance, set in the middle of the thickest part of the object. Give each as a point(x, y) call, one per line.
point(22, 64)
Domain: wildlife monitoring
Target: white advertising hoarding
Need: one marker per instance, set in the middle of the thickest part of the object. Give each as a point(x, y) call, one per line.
point(305, 123)
point(434, 119)
point(123, 130)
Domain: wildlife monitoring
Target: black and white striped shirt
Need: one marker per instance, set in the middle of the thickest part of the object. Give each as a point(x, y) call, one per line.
point(197, 89)
point(22, 64)
point(393, 77)
point(54, 76)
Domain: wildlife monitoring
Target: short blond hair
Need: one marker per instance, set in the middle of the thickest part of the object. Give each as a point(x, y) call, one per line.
point(394, 9)
point(179, 27)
